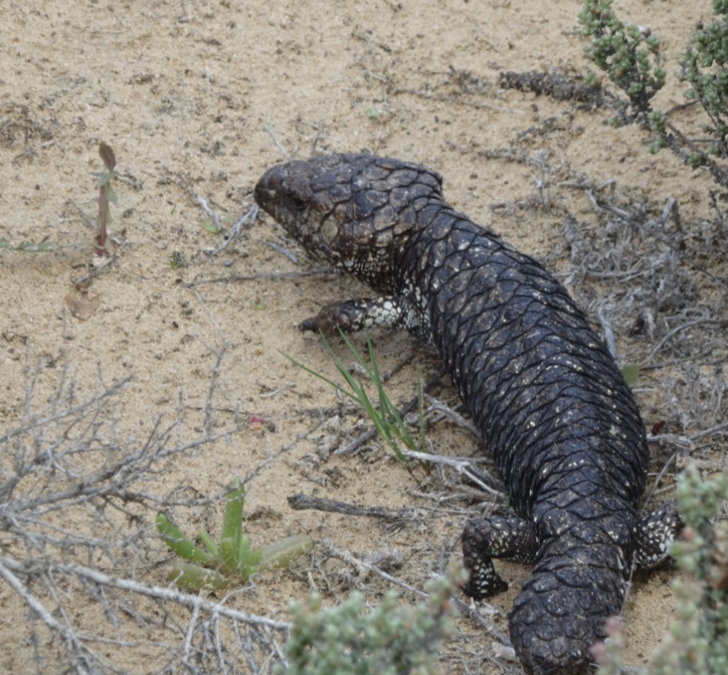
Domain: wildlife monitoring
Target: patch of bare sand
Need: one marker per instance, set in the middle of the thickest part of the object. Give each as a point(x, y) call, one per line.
point(182, 93)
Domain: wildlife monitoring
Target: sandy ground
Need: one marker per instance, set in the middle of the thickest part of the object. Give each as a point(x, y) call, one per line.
point(184, 92)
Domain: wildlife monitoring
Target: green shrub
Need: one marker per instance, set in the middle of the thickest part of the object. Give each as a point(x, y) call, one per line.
point(697, 642)
point(389, 640)
point(630, 56)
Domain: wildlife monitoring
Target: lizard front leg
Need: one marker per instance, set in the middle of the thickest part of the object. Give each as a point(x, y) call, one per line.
point(389, 312)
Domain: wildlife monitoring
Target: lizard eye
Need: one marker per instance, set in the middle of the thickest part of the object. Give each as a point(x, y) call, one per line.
point(298, 204)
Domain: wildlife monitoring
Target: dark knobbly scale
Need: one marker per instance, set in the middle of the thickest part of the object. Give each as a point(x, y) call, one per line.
point(562, 424)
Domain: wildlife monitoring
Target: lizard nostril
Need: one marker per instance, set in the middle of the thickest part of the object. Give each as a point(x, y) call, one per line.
point(298, 204)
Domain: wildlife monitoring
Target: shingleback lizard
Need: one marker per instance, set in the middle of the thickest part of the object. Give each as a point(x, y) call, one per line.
point(550, 402)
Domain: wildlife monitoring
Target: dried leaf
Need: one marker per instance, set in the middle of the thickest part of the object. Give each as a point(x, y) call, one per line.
point(107, 156)
point(81, 306)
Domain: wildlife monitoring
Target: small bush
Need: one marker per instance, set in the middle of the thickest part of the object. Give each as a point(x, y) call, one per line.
point(697, 642)
point(703, 68)
point(390, 640)
point(630, 56)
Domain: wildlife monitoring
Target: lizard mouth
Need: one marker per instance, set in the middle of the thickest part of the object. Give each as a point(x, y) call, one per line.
point(265, 191)
point(278, 198)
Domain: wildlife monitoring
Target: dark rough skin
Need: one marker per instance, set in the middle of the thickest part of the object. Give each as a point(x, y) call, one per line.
point(562, 424)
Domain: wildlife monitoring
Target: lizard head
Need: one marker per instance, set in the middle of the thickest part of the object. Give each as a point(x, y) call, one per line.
point(355, 212)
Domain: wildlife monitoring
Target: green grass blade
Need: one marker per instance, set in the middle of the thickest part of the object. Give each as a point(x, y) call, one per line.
point(379, 417)
point(370, 371)
point(321, 377)
point(395, 421)
point(359, 394)
point(386, 418)
point(385, 430)
point(421, 409)
point(392, 420)
point(376, 377)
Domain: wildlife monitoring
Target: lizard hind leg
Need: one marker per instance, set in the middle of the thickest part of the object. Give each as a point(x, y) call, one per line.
point(511, 539)
point(653, 535)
